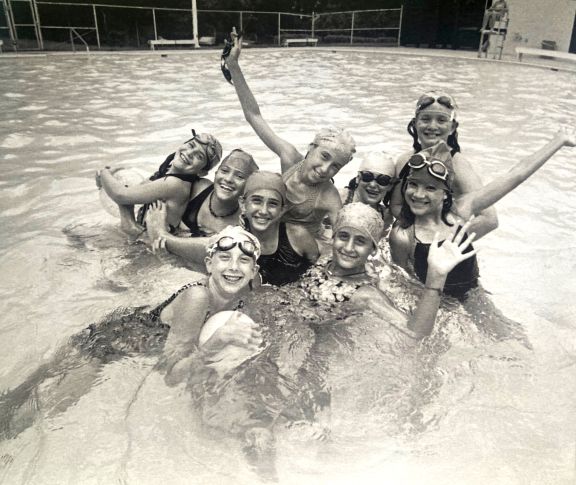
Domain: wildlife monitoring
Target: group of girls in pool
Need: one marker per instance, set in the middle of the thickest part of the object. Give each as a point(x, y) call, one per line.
point(251, 227)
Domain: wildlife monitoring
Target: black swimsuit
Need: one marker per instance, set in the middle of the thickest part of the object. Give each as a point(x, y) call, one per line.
point(460, 280)
point(192, 179)
point(190, 216)
point(283, 266)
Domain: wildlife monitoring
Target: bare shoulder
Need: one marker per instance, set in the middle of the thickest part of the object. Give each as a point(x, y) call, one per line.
point(200, 185)
point(402, 160)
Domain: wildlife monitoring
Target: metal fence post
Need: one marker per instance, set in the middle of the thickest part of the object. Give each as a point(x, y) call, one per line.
point(154, 20)
point(96, 25)
point(37, 26)
point(241, 21)
point(352, 29)
point(313, 21)
point(279, 41)
point(400, 24)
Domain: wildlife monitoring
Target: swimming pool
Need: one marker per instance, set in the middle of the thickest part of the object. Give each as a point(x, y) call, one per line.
point(497, 413)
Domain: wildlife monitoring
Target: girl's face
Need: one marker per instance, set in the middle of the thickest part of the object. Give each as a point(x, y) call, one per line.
point(190, 158)
point(350, 250)
point(231, 271)
point(262, 208)
point(230, 179)
point(322, 163)
point(373, 192)
point(424, 193)
point(434, 124)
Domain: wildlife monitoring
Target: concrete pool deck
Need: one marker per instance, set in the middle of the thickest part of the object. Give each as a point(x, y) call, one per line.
point(539, 62)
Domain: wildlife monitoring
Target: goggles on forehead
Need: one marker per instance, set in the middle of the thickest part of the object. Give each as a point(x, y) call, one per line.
point(428, 100)
point(381, 179)
point(436, 168)
point(208, 144)
point(226, 243)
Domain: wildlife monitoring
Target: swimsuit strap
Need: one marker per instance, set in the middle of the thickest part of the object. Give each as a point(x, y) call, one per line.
point(156, 311)
point(190, 216)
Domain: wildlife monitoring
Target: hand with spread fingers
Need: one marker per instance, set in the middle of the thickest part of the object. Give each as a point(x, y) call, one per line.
point(442, 258)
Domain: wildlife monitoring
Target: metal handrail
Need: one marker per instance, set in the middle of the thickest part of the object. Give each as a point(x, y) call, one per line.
point(73, 31)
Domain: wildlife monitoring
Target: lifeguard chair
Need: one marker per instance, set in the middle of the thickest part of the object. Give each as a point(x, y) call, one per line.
point(494, 27)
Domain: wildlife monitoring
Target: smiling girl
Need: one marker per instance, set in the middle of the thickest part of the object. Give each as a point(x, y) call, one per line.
point(178, 181)
point(311, 194)
point(430, 207)
point(435, 121)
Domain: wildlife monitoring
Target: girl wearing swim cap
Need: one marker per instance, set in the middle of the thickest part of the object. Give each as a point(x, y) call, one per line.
point(434, 121)
point(211, 209)
point(288, 250)
point(373, 185)
point(345, 278)
point(431, 208)
point(311, 194)
point(176, 181)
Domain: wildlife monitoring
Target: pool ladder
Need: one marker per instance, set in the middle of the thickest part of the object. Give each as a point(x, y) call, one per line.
point(499, 31)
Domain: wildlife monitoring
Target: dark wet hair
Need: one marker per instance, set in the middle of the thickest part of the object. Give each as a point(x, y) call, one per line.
point(407, 218)
point(452, 138)
point(353, 185)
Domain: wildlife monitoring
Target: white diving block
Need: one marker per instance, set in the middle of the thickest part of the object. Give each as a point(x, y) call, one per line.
point(529, 51)
point(154, 43)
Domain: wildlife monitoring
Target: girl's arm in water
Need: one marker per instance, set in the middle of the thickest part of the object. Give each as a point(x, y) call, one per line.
point(441, 260)
point(287, 152)
point(475, 202)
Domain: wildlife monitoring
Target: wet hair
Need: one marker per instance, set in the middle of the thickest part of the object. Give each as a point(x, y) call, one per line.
point(407, 217)
point(452, 138)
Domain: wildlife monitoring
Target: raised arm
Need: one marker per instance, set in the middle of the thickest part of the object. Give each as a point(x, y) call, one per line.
point(468, 181)
point(475, 202)
point(288, 154)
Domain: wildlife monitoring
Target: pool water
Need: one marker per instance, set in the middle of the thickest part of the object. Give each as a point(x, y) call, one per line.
point(466, 409)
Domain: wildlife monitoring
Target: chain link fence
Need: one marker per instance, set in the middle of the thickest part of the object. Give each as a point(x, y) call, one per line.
point(42, 25)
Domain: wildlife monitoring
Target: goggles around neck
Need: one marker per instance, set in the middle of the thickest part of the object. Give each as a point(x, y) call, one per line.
point(226, 243)
point(381, 179)
point(436, 168)
point(428, 100)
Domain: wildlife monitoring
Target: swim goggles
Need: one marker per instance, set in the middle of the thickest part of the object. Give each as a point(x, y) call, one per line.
point(226, 243)
point(381, 179)
point(436, 168)
point(210, 147)
point(228, 44)
point(428, 100)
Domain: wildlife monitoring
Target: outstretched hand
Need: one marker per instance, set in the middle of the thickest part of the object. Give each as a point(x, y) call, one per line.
point(235, 47)
point(443, 258)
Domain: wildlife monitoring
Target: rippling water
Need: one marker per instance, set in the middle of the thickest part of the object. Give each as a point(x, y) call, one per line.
point(477, 411)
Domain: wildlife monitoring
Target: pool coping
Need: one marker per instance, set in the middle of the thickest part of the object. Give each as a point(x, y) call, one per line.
point(548, 64)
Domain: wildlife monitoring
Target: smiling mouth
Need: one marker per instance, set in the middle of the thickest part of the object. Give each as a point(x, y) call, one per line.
point(232, 278)
point(261, 220)
point(226, 188)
